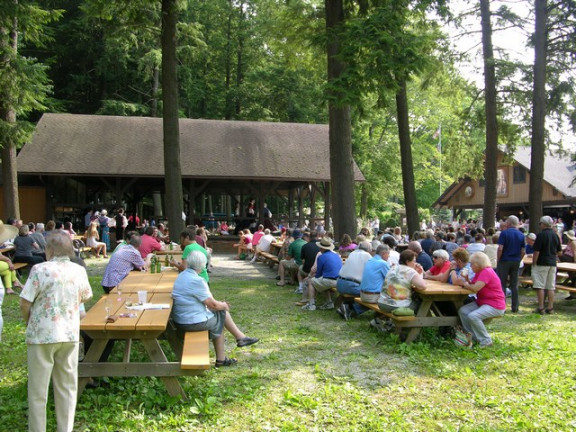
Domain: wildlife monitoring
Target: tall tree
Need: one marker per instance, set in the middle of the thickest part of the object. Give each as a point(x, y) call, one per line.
point(538, 114)
point(490, 164)
point(172, 167)
point(23, 85)
point(340, 135)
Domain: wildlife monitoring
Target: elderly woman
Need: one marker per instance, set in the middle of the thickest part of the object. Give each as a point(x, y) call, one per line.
point(195, 309)
point(460, 267)
point(490, 300)
point(397, 289)
point(441, 268)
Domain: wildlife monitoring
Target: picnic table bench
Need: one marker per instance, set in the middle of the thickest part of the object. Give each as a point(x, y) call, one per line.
point(147, 326)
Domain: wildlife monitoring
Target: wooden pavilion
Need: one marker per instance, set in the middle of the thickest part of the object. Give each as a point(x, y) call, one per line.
point(558, 189)
point(112, 161)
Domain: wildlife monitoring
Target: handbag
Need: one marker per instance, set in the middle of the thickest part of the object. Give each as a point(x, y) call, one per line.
point(462, 338)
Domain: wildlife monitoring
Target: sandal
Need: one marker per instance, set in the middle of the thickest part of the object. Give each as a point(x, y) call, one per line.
point(539, 311)
point(550, 311)
point(226, 362)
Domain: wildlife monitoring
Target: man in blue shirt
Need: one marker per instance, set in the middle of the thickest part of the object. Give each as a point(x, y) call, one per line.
point(327, 270)
point(511, 249)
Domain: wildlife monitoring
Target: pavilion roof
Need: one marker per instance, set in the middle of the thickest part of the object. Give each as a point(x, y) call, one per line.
point(91, 145)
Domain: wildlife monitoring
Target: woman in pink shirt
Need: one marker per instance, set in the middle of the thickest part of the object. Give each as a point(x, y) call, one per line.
point(490, 301)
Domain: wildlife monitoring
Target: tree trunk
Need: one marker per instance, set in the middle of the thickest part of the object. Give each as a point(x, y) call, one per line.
point(172, 168)
point(340, 135)
point(412, 219)
point(538, 115)
point(155, 87)
point(490, 163)
point(9, 42)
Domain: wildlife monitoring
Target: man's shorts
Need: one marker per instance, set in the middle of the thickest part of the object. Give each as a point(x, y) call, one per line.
point(301, 272)
point(322, 284)
point(544, 277)
point(289, 264)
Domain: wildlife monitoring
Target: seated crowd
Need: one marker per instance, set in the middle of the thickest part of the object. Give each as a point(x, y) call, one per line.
point(485, 263)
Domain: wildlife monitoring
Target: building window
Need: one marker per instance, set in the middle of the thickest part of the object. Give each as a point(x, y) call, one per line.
point(519, 174)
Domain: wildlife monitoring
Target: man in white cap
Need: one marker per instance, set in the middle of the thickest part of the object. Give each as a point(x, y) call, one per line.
point(328, 267)
point(546, 249)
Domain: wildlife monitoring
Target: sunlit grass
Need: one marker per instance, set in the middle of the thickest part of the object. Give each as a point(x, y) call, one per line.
point(312, 371)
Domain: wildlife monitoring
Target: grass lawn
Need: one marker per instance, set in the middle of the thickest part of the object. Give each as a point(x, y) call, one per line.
point(313, 371)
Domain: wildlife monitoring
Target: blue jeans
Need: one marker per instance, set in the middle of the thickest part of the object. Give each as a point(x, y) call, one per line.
point(351, 288)
point(472, 317)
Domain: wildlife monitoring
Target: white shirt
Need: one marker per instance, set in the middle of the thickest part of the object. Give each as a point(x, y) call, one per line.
point(354, 265)
point(394, 258)
point(265, 241)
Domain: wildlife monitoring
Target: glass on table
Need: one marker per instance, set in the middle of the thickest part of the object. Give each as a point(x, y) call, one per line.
point(107, 307)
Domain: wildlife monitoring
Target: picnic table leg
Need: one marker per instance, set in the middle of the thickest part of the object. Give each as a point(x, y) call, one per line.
point(156, 354)
point(423, 311)
point(93, 355)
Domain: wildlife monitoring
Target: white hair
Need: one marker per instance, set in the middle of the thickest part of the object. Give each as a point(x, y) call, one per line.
point(196, 261)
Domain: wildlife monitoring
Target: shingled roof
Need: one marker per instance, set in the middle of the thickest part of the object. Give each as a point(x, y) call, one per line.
point(89, 145)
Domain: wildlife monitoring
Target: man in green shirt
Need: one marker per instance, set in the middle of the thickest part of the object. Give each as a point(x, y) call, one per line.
point(293, 259)
point(188, 245)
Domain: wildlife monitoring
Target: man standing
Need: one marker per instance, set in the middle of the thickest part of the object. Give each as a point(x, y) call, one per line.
point(50, 305)
point(121, 224)
point(122, 262)
point(546, 249)
point(328, 268)
point(511, 249)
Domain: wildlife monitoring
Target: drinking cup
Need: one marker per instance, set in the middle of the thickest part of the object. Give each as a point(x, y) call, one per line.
point(142, 297)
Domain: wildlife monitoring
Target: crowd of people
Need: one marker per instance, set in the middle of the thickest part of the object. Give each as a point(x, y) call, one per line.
point(487, 263)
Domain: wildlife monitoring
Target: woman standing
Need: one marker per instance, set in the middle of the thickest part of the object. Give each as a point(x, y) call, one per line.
point(104, 229)
point(490, 300)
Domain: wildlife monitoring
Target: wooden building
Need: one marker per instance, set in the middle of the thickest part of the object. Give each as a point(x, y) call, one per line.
point(111, 161)
point(513, 182)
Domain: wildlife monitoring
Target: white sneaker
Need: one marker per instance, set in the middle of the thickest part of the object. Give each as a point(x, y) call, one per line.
point(327, 306)
point(309, 307)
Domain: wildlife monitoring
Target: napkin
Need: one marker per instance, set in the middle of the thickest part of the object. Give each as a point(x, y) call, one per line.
point(149, 306)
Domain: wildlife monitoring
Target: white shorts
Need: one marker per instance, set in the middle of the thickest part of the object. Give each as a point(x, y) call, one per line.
point(544, 277)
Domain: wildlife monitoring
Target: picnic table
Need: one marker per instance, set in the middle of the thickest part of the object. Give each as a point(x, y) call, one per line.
point(147, 326)
point(429, 314)
point(560, 266)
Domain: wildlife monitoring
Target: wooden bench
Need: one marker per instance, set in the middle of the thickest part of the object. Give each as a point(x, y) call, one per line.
point(19, 266)
point(272, 259)
point(195, 351)
point(375, 308)
point(530, 282)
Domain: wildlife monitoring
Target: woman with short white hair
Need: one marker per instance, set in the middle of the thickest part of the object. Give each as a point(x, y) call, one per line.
point(490, 300)
point(195, 309)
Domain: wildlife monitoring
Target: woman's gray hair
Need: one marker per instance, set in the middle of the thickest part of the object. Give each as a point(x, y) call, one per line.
point(196, 261)
point(39, 227)
point(58, 244)
point(480, 259)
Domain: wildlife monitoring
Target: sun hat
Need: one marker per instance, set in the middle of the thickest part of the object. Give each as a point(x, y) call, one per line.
point(325, 243)
point(7, 232)
point(570, 235)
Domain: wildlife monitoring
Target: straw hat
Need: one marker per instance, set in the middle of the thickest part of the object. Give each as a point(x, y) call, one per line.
point(7, 232)
point(325, 243)
point(570, 235)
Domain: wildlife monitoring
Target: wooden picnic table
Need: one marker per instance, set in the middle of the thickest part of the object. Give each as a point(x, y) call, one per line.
point(6, 249)
point(147, 327)
point(175, 251)
point(560, 266)
point(146, 281)
point(429, 314)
